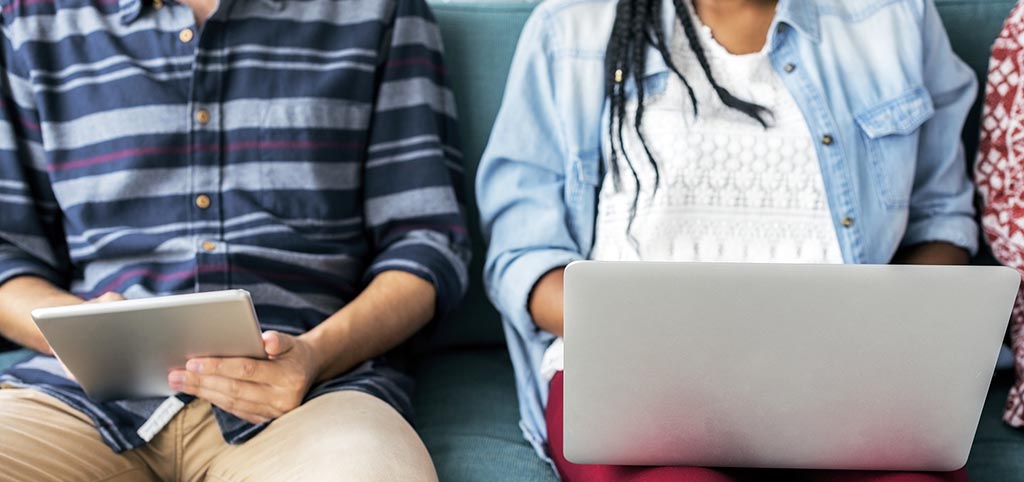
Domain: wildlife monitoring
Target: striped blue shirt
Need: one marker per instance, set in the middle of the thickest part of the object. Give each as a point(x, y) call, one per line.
point(291, 148)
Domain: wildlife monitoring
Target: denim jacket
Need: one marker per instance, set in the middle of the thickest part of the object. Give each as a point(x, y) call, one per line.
point(878, 84)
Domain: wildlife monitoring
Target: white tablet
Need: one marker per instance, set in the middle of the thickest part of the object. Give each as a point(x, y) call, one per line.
point(125, 349)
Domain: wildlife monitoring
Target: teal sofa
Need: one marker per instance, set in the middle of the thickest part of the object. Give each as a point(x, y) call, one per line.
point(465, 401)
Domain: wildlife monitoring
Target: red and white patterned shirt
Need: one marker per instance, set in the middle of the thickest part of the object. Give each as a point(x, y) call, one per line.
point(999, 173)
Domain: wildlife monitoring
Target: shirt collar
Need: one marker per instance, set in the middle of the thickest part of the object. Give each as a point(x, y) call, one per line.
point(802, 15)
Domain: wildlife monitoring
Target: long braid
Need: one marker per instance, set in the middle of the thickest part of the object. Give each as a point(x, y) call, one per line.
point(757, 112)
point(639, 64)
point(635, 59)
point(614, 75)
point(656, 37)
point(637, 26)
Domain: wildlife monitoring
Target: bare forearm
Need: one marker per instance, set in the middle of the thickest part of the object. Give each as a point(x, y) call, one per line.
point(547, 302)
point(932, 253)
point(18, 297)
point(390, 310)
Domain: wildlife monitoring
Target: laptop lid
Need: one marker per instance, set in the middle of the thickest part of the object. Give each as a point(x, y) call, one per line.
point(779, 366)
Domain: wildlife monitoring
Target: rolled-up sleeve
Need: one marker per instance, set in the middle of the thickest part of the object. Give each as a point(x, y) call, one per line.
point(521, 182)
point(31, 234)
point(942, 201)
point(413, 201)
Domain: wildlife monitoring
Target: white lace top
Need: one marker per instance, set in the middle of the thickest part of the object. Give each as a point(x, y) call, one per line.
point(731, 191)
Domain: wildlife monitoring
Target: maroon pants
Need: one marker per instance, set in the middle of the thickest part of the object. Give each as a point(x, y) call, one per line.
point(571, 472)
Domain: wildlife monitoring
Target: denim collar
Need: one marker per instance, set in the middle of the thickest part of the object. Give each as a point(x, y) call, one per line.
point(802, 15)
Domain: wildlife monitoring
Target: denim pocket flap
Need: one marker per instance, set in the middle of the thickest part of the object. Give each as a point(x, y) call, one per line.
point(899, 116)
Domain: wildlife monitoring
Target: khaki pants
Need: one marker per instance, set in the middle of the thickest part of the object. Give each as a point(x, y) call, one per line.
point(341, 436)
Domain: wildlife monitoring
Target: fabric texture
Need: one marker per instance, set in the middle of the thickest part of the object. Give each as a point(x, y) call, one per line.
point(886, 125)
point(570, 472)
point(291, 149)
point(356, 434)
point(999, 174)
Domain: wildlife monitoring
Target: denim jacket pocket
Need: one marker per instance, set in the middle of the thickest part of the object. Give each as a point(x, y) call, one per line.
point(890, 132)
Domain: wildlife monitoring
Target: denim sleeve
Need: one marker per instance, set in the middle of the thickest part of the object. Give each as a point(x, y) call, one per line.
point(942, 201)
point(31, 234)
point(521, 181)
point(413, 200)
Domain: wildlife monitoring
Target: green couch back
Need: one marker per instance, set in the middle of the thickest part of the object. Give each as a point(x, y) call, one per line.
point(480, 37)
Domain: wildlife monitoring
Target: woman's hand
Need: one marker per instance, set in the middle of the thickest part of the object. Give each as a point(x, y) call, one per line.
point(256, 391)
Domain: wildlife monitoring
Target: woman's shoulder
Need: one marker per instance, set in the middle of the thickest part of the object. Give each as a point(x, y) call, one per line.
point(861, 11)
point(576, 26)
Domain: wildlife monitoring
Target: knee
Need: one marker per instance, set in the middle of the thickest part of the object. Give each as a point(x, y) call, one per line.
point(373, 444)
point(341, 437)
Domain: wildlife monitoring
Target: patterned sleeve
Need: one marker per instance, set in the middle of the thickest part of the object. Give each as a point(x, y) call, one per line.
point(31, 235)
point(999, 170)
point(999, 174)
point(413, 177)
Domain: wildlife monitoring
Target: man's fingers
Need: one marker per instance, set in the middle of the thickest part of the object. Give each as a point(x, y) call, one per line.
point(107, 297)
point(234, 396)
point(231, 387)
point(277, 344)
point(248, 369)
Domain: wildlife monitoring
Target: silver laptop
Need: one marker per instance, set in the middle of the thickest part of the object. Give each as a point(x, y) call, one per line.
point(779, 366)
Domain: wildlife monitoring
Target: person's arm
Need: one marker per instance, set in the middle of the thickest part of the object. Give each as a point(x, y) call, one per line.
point(414, 219)
point(389, 311)
point(547, 302)
point(521, 189)
point(941, 210)
point(394, 307)
point(33, 255)
point(21, 295)
point(998, 172)
point(932, 253)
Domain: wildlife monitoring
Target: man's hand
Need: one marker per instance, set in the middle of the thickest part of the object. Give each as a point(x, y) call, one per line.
point(256, 391)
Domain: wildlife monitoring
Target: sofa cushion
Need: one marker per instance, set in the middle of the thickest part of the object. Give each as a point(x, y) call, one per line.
point(467, 414)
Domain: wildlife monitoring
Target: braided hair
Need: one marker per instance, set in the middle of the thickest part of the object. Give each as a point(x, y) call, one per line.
point(638, 24)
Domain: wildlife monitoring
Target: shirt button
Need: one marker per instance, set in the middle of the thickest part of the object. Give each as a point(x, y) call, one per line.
point(847, 221)
point(789, 68)
point(158, 4)
point(186, 35)
point(827, 140)
point(203, 116)
point(202, 201)
point(209, 246)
